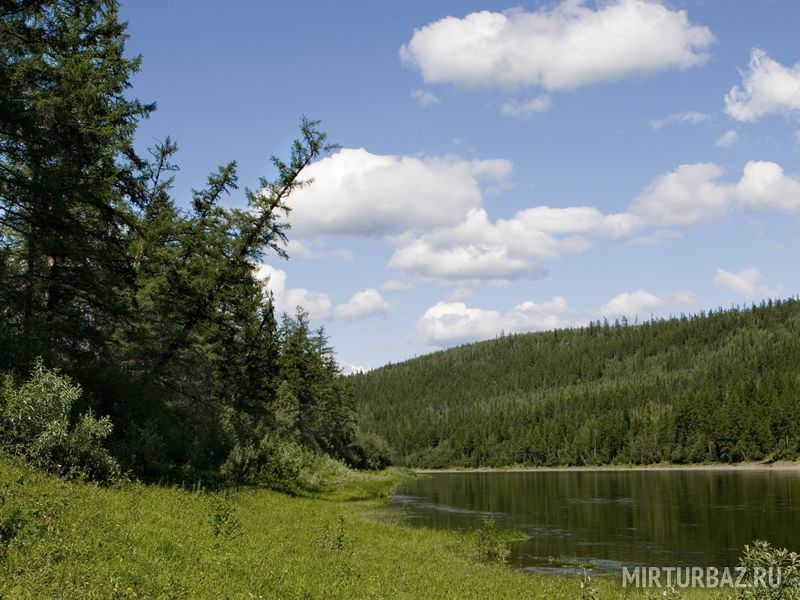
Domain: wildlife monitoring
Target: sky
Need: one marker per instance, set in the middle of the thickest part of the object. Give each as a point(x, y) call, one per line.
point(502, 167)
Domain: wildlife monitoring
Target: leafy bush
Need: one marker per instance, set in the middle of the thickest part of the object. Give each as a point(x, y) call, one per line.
point(35, 423)
point(375, 453)
point(490, 543)
point(224, 521)
point(282, 465)
point(781, 567)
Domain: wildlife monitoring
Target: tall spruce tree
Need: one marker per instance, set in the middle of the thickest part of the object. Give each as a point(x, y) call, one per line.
point(66, 131)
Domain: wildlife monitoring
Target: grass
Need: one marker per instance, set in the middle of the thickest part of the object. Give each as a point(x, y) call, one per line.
point(76, 540)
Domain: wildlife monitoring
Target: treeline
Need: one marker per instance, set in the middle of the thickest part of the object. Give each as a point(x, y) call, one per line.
point(717, 386)
point(147, 305)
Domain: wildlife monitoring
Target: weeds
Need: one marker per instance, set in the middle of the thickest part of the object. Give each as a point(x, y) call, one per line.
point(490, 543)
point(224, 522)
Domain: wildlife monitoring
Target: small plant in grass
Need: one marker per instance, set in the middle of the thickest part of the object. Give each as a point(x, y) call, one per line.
point(224, 522)
point(12, 519)
point(588, 590)
point(489, 543)
point(335, 539)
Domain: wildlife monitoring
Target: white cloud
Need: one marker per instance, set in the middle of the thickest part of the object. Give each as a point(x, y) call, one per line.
point(692, 117)
point(764, 186)
point(727, 139)
point(317, 305)
point(301, 250)
point(563, 47)
point(796, 136)
point(747, 283)
point(767, 87)
point(350, 368)
point(481, 250)
point(684, 196)
point(355, 192)
point(425, 98)
point(506, 249)
point(366, 303)
point(693, 193)
point(448, 323)
point(527, 108)
point(431, 211)
point(641, 303)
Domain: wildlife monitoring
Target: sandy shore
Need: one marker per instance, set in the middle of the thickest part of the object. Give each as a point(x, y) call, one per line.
point(743, 466)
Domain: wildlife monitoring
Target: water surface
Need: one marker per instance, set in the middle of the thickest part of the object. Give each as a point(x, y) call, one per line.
point(607, 519)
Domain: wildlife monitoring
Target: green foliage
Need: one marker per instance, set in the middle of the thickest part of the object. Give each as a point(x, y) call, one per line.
point(490, 543)
point(224, 522)
point(718, 386)
point(147, 541)
point(588, 589)
point(776, 566)
point(375, 451)
point(156, 311)
point(35, 423)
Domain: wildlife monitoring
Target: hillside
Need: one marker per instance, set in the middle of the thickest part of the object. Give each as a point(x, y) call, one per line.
point(717, 386)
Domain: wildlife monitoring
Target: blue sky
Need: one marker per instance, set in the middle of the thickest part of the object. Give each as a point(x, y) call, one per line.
point(503, 167)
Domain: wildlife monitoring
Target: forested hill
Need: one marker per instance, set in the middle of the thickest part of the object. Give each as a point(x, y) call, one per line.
point(719, 386)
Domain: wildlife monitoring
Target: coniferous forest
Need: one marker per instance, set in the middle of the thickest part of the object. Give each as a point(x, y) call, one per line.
point(717, 386)
point(145, 307)
point(166, 433)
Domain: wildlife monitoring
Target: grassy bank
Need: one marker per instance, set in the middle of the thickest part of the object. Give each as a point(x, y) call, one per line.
point(76, 540)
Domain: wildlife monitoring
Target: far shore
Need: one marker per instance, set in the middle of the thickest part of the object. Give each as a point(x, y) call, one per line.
point(742, 466)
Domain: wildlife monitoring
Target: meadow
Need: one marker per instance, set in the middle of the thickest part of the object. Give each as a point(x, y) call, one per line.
point(64, 539)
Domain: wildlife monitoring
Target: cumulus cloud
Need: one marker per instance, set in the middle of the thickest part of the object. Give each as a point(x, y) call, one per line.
point(425, 98)
point(527, 108)
point(747, 282)
point(431, 210)
point(448, 323)
point(764, 186)
point(727, 139)
point(767, 87)
point(301, 250)
point(366, 303)
point(355, 192)
point(563, 47)
point(350, 368)
point(684, 196)
point(641, 303)
point(691, 117)
point(692, 193)
point(363, 304)
point(317, 305)
point(481, 250)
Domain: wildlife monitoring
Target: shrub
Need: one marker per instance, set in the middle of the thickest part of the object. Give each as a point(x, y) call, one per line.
point(35, 423)
point(490, 543)
point(761, 558)
point(374, 451)
point(279, 464)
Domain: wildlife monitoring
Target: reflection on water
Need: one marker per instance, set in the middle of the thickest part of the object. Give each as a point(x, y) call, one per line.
point(606, 519)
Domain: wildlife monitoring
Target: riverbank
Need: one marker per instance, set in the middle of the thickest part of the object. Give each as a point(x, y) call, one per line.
point(742, 466)
point(78, 540)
